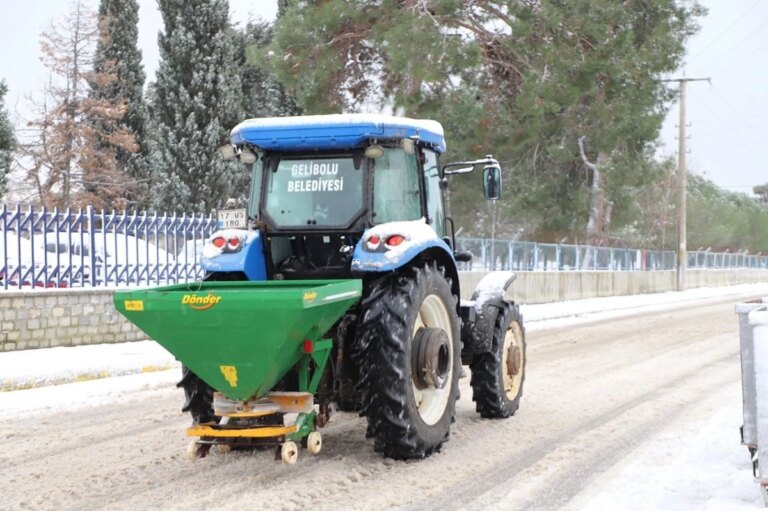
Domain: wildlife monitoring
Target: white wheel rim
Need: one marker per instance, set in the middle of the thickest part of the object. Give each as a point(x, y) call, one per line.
point(431, 402)
point(512, 382)
point(314, 442)
point(193, 450)
point(289, 452)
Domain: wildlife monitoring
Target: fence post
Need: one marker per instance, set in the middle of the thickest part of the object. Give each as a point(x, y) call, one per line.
point(578, 257)
point(92, 243)
point(4, 241)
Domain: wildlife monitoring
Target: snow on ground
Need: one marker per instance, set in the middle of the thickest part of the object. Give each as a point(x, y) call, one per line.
point(693, 464)
point(681, 469)
point(52, 366)
point(556, 314)
point(82, 394)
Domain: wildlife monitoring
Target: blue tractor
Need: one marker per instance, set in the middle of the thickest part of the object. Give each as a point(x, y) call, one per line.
point(362, 197)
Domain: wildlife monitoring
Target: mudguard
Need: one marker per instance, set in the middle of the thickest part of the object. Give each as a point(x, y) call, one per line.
point(381, 257)
point(249, 259)
point(479, 314)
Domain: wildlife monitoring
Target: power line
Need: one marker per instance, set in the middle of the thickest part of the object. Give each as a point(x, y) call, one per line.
point(740, 142)
point(721, 34)
point(742, 118)
point(739, 118)
point(734, 62)
point(729, 50)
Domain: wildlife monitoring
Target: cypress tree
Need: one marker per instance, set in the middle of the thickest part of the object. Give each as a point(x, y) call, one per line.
point(117, 56)
point(195, 102)
point(7, 141)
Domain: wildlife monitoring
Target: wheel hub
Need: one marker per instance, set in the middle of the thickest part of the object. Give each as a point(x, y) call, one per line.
point(514, 360)
point(430, 358)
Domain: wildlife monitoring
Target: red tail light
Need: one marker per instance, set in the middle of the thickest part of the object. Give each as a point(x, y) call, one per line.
point(234, 242)
point(373, 242)
point(395, 240)
point(219, 242)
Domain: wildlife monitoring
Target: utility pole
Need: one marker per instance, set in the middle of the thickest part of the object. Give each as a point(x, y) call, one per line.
point(682, 251)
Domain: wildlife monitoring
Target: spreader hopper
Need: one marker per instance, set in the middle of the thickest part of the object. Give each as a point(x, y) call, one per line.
point(240, 337)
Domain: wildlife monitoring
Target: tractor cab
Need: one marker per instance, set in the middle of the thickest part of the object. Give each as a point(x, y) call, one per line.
point(320, 182)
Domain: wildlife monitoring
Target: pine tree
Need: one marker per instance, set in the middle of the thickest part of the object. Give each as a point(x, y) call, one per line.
point(565, 94)
point(195, 101)
point(721, 219)
point(118, 58)
point(263, 94)
point(760, 190)
point(7, 141)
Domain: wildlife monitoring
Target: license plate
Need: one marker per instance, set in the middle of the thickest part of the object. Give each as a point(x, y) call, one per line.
point(233, 219)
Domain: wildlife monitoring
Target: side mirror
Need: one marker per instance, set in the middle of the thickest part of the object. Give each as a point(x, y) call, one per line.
point(464, 256)
point(492, 182)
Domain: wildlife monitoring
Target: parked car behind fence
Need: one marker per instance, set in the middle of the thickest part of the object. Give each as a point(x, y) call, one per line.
point(18, 264)
point(85, 248)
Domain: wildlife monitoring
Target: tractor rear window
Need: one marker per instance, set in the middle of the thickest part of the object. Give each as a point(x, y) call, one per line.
point(314, 192)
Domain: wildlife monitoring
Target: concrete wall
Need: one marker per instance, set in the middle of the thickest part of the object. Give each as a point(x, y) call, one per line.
point(542, 287)
point(71, 317)
point(61, 317)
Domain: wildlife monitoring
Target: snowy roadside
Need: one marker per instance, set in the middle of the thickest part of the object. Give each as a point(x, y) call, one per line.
point(695, 462)
point(556, 314)
point(31, 369)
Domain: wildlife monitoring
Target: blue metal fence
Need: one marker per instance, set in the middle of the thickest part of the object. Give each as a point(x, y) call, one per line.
point(53, 248)
point(76, 248)
point(530, 256)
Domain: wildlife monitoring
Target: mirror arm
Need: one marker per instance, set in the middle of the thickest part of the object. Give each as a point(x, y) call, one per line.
point(469, 166)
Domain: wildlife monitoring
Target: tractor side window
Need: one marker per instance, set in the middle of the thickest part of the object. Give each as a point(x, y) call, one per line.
point(255, 194)
point(434, 193)
point(396, 187)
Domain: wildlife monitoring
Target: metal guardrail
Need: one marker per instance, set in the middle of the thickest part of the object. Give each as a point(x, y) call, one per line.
point(753, 340)
point(76, 248)
point(531, 256)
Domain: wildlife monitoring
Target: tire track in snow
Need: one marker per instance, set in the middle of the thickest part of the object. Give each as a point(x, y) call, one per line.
point(479, 485)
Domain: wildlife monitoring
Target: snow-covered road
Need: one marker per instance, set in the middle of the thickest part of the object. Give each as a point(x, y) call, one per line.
point(630, 404)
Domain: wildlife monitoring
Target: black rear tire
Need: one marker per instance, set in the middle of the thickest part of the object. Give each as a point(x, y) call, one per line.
point(497, 387)
point(404, 421)
point(199, 397)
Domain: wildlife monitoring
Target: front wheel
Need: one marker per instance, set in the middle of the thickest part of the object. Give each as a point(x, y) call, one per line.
point(410, 362)
point(498, 376)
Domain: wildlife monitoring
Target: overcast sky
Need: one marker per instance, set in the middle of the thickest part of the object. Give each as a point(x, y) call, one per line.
point(729, 119)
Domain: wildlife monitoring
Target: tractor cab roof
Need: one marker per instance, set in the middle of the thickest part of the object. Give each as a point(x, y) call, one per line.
point(338, 131)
